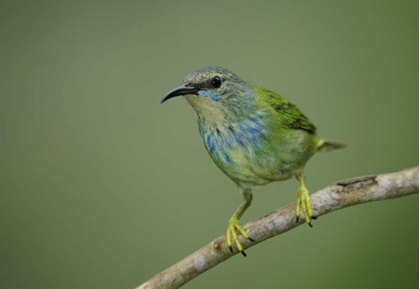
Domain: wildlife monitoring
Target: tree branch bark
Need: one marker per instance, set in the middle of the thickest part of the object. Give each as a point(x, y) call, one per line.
point(334, 197)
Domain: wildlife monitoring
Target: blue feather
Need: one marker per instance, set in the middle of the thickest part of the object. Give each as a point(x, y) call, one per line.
point(247, 135)
point(209, 94)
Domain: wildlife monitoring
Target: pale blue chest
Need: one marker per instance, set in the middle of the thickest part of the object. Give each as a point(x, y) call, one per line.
point(235, 140)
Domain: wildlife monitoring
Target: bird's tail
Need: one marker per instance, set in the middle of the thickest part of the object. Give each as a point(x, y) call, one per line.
point(326, 145)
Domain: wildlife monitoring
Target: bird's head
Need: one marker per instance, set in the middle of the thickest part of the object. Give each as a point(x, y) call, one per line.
point(216, 94)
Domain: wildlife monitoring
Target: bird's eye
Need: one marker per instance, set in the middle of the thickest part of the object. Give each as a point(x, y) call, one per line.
point(216, 82)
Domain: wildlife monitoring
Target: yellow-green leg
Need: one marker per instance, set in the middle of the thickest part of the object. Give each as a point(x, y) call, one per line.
point(303, 201)
point(234, 226)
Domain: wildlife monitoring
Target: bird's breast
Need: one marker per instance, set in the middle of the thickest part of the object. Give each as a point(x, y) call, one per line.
point(234, 146)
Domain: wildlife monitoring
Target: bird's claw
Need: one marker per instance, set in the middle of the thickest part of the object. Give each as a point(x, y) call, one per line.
point(304, 203)
point(234, 226)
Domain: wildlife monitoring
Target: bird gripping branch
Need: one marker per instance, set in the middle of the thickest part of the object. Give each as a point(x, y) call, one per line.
point(254, 135)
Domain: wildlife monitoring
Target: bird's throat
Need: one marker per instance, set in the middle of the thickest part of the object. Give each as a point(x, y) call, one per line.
point(213, 113)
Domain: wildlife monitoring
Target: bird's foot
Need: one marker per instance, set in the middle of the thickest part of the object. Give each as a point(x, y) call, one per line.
point(234, 226)
point(304, 203)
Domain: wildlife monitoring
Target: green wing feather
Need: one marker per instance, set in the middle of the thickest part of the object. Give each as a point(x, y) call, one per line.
point(288, 113)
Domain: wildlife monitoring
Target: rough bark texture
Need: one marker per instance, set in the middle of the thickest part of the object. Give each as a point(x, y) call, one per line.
point(334, 197)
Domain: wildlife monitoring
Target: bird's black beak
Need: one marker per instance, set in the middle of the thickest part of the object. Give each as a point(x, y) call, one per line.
point(183, 89)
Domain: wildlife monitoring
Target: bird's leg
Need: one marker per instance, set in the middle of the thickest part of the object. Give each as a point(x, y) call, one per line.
point(234, 226)
point(303, 201)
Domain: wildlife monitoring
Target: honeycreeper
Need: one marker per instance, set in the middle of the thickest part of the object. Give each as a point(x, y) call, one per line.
point(254, 135)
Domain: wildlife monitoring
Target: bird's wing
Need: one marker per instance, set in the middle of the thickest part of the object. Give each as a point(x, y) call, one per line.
point(288, 113)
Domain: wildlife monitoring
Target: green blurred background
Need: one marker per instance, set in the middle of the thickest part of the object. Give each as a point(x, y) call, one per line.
point(103, 187)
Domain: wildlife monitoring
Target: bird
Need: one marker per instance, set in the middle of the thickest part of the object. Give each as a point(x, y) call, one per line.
point(254, 135)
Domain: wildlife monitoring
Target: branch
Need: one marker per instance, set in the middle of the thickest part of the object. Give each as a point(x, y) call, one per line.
point(334, 197)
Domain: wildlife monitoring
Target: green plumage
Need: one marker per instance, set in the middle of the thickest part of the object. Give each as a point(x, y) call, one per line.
point(254, 135)
point(287, 113)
